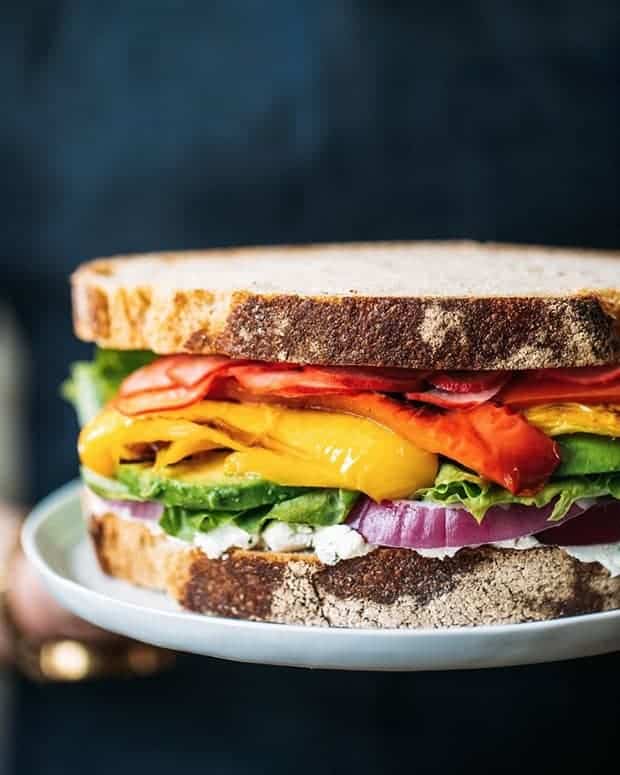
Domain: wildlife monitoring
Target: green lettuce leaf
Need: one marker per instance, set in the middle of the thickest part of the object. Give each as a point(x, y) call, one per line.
point(185, 523)
point(318, 508)
point(455, 485)
point(92, 383)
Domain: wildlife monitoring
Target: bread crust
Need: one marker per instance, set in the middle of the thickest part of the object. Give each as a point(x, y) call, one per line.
point(387, 588)
point(119, 309)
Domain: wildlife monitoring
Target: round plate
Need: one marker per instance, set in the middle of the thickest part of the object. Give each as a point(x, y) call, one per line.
point(54, 538)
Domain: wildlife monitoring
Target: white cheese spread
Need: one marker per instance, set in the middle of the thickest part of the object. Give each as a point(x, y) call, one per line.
point(330, 544)
point(608, 555)
point(219, 540)
point(339, 542)
point(525, 542)
point(285, 537)
point(439, 554)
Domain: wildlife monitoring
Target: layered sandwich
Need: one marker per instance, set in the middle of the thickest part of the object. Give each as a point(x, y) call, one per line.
point(388, 435)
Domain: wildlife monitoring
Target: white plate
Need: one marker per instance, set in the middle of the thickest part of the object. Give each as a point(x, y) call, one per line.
point(54, 539)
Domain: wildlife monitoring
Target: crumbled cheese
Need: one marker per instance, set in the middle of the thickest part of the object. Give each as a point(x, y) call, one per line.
point(285, 537)
point(331, 544)
point(339, 542)
point(219, 540)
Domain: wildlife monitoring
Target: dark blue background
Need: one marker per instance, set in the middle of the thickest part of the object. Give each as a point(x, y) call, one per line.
point(149, 125)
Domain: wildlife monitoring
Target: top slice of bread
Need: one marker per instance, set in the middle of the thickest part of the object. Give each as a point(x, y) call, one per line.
point(429, 305)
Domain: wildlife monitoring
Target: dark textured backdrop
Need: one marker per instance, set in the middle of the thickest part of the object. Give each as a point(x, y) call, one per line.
point(145, 125)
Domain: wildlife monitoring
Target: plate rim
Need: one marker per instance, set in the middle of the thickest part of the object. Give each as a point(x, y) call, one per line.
point(70, 491)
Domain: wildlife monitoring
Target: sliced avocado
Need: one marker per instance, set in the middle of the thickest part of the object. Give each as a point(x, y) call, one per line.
point(203, 485)
point(111, 489)
point(586, 453)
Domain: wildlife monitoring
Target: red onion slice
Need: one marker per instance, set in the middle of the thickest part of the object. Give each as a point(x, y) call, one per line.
point(426, 525)
point(145, 510)
point(467, 381)
point(448, 400)
point(601, 527)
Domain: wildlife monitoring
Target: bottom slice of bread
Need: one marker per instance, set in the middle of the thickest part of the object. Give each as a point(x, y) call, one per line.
point(386, 588)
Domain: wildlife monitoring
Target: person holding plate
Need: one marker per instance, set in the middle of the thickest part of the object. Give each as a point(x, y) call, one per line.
point(173, 126)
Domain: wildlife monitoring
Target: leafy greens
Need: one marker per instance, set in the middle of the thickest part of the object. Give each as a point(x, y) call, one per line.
point(318, 508)
point(92, 383)
point(455, 485)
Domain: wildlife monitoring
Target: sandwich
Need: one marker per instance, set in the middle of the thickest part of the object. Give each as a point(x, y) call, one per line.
point(358, 435)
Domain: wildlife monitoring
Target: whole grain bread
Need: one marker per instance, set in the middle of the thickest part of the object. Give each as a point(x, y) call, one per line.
point(457, 305)
point(387, 588)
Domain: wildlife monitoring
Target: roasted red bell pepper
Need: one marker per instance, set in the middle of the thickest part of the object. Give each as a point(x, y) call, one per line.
point(588, 375)
point(492, 440)
point(533, 389)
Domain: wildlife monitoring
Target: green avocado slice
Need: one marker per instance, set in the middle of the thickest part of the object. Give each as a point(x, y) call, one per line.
point(203, 486)
point(586, 453)
point(111, 489)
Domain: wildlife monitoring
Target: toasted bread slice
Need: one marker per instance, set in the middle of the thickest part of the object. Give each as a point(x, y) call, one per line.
point(387, 588)
point(443, 305)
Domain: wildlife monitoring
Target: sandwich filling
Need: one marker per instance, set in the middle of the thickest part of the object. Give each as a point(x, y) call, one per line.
point(226, 453)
